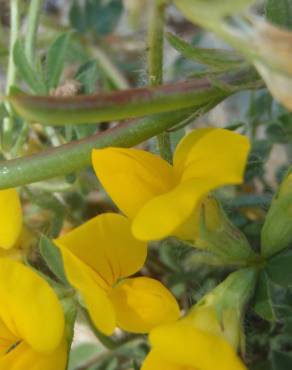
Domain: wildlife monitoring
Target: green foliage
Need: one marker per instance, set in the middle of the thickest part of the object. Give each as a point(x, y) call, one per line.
point(27, 72)
point(53, 258)
point(55, 60)
point(279, 269)
point(218, 60)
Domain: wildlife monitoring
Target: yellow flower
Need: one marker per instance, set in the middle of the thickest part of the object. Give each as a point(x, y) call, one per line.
point(183, 346)
point(31, 321)
point(161, 199)
point(10, 218)
point(98, 257)
point(208, 337)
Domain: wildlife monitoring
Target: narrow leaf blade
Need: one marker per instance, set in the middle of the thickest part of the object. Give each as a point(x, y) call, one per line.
point(56, 60)
point(26, 71)
point(53, 258)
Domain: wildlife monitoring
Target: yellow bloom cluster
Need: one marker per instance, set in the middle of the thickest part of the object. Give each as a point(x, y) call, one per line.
point(100, 257)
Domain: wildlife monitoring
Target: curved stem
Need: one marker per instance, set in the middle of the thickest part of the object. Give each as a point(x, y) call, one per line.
point(155, 64)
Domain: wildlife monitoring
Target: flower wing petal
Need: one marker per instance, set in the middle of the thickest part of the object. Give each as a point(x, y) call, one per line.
point(154, 361)
point(106, 245)
point(132, 177)
point(163, 215)
point(29, 307)
point(10, 218)
point(220, 155)
point(87, 283)
point(24, 357)
point(142, 304)
point(182, 343)
point(185, 146)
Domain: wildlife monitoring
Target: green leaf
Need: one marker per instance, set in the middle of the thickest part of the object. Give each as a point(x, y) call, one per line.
point(26, 71)
point(281, 130)
point(279, 269)
point(87, 75)
point(218, 59)
point(53, 258)
point(263, 298)
point(257, 158)
point(82, 353)
point(55, 60)
point(77, 17)
point(279, 12)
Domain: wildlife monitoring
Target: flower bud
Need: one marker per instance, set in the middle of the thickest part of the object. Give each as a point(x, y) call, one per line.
point(220, 311)
point(219, 236)
point(277, 230)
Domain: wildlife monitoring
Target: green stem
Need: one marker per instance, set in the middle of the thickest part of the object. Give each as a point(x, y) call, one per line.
point(8, 122)
point(14, 30)
point(77, 155)
point(32, 27)
point(155, 64)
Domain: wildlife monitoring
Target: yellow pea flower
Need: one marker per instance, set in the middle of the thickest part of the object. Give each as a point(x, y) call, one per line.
point(31, 321)
point(99, 256)
point(208, 337)
point(183, 346)
point(162, 199)
point(10, 218)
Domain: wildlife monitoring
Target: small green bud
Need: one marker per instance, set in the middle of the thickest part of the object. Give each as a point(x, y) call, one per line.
point(277, 231)
point(219, 236)
point(221, 310)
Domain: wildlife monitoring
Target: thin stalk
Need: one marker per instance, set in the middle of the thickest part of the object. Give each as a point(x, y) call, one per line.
point(32, 28)
point(74, 156)
point(14, 31)
point(8, 122)
point(155, 64)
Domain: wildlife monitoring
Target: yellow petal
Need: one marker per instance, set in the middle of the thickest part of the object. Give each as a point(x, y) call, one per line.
point(220, 155)
point(186, 144)
point(88, 284)
point(24, 357)
point(29, 307)
point(204, 317)
point(155, 362)
point(7, 339)
point(165, 214)
point(132, 177)
point(142, 304)
point(183, 344)
point(107, 246)
point(10, 218)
